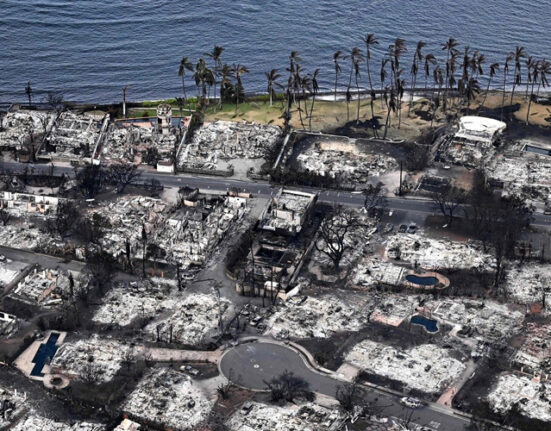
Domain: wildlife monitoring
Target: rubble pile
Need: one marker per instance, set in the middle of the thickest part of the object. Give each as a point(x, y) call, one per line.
point(168, 398)
point(224, 140)
point(23, 204)
point(371, 270)
point(191, 233)
point(427, 367)
point(528, 283)
point(126, 217)
point(321, 317)
point(534, 355)
point(531, 397)
point(127, 302)
point(25, 235)
point(17, 128)
point(429, 253)
point(489, 319)
point(49, 287)
point(9, 270)
point(472, 155)
point(305, 417)
point(95, 359)
point(194, 319)
point(131, 143)
point(344, 161)
point(394, 309)
point(73, 135)
point(40, 423)
point(528, 176)
point(13, 406)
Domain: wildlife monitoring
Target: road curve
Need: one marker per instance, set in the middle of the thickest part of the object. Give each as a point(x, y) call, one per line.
point(250, 364)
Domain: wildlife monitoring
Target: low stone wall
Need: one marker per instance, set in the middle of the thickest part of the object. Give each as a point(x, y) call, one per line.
point(214, 172)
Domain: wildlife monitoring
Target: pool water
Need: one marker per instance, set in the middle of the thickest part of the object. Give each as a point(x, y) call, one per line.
point(44, 353)
point(423, 281)
point(430, 324)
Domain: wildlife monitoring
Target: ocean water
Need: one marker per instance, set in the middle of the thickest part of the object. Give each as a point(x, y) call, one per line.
point(90, 49)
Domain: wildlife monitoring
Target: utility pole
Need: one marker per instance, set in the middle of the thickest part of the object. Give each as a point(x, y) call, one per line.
point(124, 89)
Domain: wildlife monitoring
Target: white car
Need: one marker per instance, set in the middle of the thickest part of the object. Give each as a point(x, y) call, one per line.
point(410, 402)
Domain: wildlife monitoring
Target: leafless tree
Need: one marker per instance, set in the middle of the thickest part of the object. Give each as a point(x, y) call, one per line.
point(334, 234)
point(121, 175)
point(348, 395)
point(67, 215)
point(289, 387)
point(374, 198)
point(448, 200)
point(4, 216)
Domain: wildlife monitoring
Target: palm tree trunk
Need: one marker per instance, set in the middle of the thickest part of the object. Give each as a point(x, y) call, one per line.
point(387, 122)
point(271, 94)
point(411, 96)
point(529, 104)
point(311, 110)
point(503, 99)
point(336, 83)
point(485, 95)
point(358, 107)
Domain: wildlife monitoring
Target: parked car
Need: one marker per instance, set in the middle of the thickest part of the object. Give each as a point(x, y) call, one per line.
point(403, 228)
point(410, 402)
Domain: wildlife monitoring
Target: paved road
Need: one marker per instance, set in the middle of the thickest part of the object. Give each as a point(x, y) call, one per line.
point(410, 205)
point(250, 364)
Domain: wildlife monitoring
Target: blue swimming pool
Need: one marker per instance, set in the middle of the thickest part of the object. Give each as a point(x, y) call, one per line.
point(429, 324)
point(45, 352)
point(423, 281)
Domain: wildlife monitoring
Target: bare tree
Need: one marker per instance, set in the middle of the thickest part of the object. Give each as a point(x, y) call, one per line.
point(334, 232)
point(348, 395)
point(374, 198)
point(121, 175)
point(89, 180)
point(289, 387)
point(4, 216)
point(448, 199)
point(67, 215)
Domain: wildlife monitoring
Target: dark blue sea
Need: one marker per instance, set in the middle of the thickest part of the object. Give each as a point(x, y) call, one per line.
point(90, 49)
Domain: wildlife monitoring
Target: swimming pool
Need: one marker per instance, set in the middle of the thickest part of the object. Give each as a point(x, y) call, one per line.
point(430, 325)
point(45, 352)
point(423, 281)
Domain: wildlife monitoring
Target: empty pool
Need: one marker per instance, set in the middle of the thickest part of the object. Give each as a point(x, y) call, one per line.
point(430, 324)
point(423, 281)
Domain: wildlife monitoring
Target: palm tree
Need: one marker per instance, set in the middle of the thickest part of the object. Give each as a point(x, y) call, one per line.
point(536, 67)
point(226, 73)
point(370, 40)
point(185, 64)
point(544, 71)
point(493, 70)
point(472, 89)
point(417, 57)
point(29, 92)
point(531, 64)
point(336, 57)
point(293, 62)
point(355, 53)
point(305, 87)
point(239, 70)
point(517, 55)
point(429, 59)
point(391, 108)
point(272, 76)
point(383, 77)
point(438, 81)
point(216, 54)
point(505, 70)
point(315, 89)
point(357, 62)
point(450, 48)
